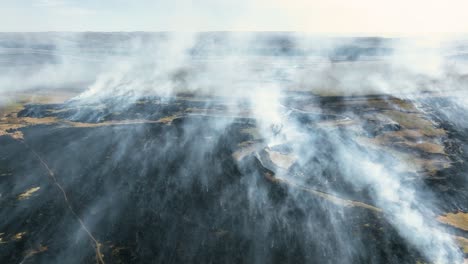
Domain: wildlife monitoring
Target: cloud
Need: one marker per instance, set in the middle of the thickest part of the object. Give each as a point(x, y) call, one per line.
point(65, 7)
point(51, 3)
point(333, 16)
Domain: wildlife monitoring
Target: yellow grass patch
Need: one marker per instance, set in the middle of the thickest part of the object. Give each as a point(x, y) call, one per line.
point(168, 119)
point(27, 194)
point(283, 161)
point(415, 121)
point(458, 220)
point(37, 250)
point(19, 236)
point(463, 243)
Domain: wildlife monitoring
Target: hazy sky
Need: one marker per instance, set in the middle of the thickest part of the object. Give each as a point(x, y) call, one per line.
point(326, 16)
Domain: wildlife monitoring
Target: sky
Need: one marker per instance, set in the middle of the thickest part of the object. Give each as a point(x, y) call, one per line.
point(326, 16)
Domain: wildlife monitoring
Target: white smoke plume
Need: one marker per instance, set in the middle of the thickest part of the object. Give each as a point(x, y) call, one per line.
point(228, 67)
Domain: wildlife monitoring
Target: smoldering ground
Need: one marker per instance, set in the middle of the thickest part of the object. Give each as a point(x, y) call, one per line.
point(220, 147)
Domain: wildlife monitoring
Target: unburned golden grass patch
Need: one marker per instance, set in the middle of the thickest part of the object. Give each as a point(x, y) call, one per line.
point(418, 144)
point(393, 103)
point(36, 250)
point(11, 130)
point(4, 238)
point(168, 119)
point(28, 193)
point(9, 108)
point(409, 153)
point(111, 123)
point(403, 104)
point(463, 243)
point(409, 134)
point(45, 96)
point(10, 122)
point(329, 197)
point(336, 123)
point(430, 147)
point(415, 121)
point(18, 236)
point(283, 161)
point(426, 147)
point(458, 220)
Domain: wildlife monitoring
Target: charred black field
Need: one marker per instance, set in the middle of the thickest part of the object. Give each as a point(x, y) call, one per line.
point(242, 148)
point(178, 185)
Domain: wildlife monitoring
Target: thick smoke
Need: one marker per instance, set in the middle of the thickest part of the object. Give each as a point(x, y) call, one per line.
point(259, 77)
point(409, 70)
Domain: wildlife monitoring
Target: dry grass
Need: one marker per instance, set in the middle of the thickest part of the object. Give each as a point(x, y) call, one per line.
point(393, 103)
point(19, 236)
point(9, 126)
point(168, 119)
point(37, 250)
point(426, 147)
point(417, 144)
point(458, 220)
point(283, 161)
point(27, 194)
point(12, 107)
point(415, 121)
point(115, 123)
point(409, 134)
point(463, 243)
point(10, 122)
point(43, 96)
point(329, 197)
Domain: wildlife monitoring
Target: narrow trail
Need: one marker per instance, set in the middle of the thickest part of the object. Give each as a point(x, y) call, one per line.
point(329, 197)
point(270, 176)
point(97, 245)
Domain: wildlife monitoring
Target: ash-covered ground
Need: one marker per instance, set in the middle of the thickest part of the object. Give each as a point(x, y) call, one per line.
point(120, 172)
